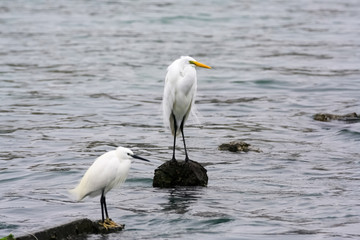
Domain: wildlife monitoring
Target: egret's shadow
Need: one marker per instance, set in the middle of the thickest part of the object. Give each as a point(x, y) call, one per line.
point(181, 198)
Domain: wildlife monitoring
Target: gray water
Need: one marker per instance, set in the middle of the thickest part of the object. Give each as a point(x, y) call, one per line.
point(78, 78)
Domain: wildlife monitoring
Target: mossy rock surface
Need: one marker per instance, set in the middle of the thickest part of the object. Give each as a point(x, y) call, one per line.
point(180, 173)
point(327, 117)
point(237, 146)
point(9, 237)
point(72, 230)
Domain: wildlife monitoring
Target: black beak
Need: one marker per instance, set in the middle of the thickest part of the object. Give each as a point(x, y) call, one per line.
point(137, 157)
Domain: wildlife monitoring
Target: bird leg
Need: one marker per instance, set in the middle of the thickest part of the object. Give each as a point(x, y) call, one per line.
point(105, 207)
point(175, 130)
point(173, 157)
point(106, 223)
point(102, 203)
point(183, 137)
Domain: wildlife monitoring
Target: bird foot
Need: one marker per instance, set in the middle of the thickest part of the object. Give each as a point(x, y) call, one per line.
point(108, 223)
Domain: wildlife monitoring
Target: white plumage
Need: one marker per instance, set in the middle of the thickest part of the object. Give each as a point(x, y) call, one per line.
point(179, 92)
point(179, 95)
point(108, 171)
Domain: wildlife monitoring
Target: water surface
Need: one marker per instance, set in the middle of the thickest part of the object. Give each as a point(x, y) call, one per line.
point(78, 78)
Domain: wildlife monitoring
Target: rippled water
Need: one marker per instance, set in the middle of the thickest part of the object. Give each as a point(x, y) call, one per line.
point(81, 77)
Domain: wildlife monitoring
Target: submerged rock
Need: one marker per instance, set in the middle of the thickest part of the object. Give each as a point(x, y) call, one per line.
point(237, 146)
point(180, 173)
point(72, 230)
point(326, 117)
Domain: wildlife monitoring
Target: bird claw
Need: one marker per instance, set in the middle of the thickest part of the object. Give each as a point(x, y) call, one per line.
point(108, 223)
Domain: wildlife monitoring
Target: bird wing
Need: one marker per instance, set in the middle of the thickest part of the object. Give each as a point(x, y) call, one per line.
point(169, 97)
point(179, 95)
point(97, 177)
point(121, 175)
point(185, 96)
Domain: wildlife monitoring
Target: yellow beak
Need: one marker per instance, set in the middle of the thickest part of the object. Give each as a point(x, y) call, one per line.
point(200, 64)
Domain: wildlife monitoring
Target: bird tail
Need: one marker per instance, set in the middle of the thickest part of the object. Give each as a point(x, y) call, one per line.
point(75, 194)
point(195, 115)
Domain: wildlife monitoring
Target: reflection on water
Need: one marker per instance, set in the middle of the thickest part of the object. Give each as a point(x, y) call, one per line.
point(181, 198)
point(79, 78)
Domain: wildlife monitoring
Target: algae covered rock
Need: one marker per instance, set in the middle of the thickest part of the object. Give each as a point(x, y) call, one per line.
point(71, 230)
point(237, 146)
point(327, 117)
point(9, 237)
point(180, 173)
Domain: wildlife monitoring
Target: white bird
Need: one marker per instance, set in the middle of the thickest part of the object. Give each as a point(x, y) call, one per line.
point(179, 95)
point(107, 171)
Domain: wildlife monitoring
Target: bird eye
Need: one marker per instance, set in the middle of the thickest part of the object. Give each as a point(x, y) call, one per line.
point(128, 154)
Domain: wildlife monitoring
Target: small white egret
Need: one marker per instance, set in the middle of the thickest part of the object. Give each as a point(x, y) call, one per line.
point(107, 171)
point(179, 95)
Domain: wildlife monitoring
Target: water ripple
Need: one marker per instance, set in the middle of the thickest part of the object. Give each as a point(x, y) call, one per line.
point(80, 78)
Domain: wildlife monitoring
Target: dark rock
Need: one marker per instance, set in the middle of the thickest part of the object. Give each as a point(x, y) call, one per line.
point(326, 117)
point(72, 230)
point(237, 146)
point(180, 173)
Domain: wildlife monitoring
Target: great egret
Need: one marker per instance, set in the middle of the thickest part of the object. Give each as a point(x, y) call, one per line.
point(179, 95)
point(108, 171)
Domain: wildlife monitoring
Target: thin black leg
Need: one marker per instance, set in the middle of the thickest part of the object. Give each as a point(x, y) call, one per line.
point(175, 130)
point(182, 133)
point(105, 207)
point(102, 202)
